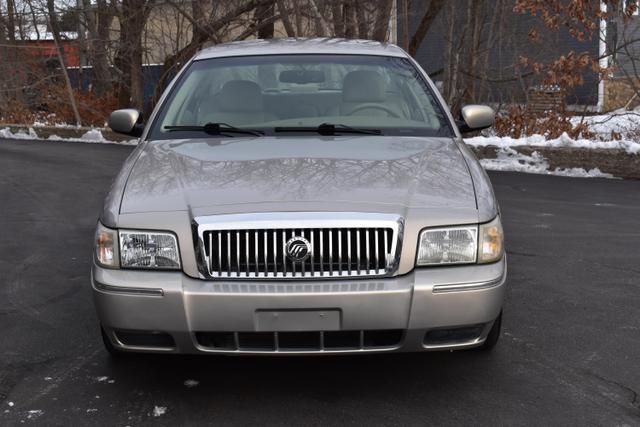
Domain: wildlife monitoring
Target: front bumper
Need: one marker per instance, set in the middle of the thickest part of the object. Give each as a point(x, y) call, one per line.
point(181, 311)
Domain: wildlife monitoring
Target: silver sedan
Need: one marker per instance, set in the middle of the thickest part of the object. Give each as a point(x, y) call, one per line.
point(300, 197)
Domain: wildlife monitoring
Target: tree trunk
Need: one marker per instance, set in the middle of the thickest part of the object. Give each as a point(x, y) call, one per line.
point(55, 31)
point(363, 25)
point(133, 15)
point(286, 21)
point(338, 18)
point(263, 14)
point(381, 23)
point(435, 6)
point(98, 25)
point(350, 25)
point(405, 24)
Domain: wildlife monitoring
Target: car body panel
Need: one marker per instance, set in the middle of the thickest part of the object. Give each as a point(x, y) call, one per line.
point(406, 302)
point(408, 172)
point(293, 46)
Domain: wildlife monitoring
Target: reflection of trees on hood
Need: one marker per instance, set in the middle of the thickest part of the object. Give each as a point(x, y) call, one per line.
point(165, 170)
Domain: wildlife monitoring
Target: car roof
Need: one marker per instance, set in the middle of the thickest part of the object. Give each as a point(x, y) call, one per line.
point(299, 46)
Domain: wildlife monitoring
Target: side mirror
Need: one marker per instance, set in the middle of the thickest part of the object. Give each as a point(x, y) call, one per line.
point(127, 121)
point(476, 117)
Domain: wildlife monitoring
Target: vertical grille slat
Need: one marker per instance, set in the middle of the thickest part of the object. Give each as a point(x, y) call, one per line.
point(246, 252)
point(330, 252)
point(228, 253)
point(349, 252)
point(377, 254)
point(335, 252)
point(219, 236)
point(340, 252)
point(210, 263)
point(274, 235)
point(284, 255)
point(255, 252)
point(265, 251)
point(312, 241)
point(237, 233)
point(321, 253)
point(386, 250)
point(358, 251)
point(367, 258)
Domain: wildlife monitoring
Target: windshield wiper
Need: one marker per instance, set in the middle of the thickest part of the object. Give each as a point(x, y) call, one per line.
point(330, 129)
point(215, 129)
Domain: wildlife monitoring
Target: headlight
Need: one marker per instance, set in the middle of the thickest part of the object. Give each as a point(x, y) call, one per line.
point(451, 245)
point(491, 241)
point(153, 250)
point(106, 244)
point(461, 245)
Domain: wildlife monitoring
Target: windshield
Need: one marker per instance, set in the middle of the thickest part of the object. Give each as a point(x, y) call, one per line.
point(278, 93)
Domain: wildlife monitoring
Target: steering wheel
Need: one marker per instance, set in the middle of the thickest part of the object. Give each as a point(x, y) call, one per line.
point(368, 106)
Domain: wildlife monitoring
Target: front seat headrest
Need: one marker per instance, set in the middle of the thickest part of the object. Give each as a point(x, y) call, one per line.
point(240, 96)
point(363, 86)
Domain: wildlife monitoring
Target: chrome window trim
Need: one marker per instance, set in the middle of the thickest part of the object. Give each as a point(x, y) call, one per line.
point(297, 220)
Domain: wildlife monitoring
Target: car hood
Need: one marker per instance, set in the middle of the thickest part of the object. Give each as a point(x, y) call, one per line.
point(209, 175)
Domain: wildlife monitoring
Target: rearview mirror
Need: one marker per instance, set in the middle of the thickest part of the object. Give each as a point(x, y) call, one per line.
point(127, 121)
point(476, 117)
point(301, 76)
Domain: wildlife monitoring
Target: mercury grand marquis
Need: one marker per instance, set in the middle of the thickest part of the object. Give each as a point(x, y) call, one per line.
point(300, 197)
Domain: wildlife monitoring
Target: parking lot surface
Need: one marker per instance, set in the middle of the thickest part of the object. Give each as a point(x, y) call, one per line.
point(569, 353)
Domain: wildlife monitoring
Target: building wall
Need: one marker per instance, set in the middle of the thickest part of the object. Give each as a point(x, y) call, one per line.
point(619, 93)
point(509, 43)
point(623, 41)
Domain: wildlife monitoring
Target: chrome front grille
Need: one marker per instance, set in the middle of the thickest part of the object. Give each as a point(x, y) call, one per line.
point(338, 245)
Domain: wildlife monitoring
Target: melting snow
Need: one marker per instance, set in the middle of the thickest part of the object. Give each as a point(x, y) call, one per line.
point(91, 136)
point(34, 413)
point(631, 147)
point(6, 133)
point(159, 410)
point(509, 159)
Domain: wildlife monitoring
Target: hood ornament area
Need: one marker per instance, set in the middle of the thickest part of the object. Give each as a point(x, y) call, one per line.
point(297, 248)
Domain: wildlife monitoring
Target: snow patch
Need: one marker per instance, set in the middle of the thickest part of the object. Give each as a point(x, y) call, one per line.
point(622, 122)
point(631, 147)
point(20, 134)
point(159, 410)
point(102, 379)
point(34, 413)
point(191, 383)
point(91, 136)
point(509, 159)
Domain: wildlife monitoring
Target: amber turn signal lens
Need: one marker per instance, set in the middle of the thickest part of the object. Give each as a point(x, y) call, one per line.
point(106, 247)
point(491, 241)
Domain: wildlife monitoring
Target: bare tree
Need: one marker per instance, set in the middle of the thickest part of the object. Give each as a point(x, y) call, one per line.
point(132, 16)
point(55, 31)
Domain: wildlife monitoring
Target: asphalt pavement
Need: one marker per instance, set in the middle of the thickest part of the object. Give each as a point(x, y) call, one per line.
point(569, 353)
